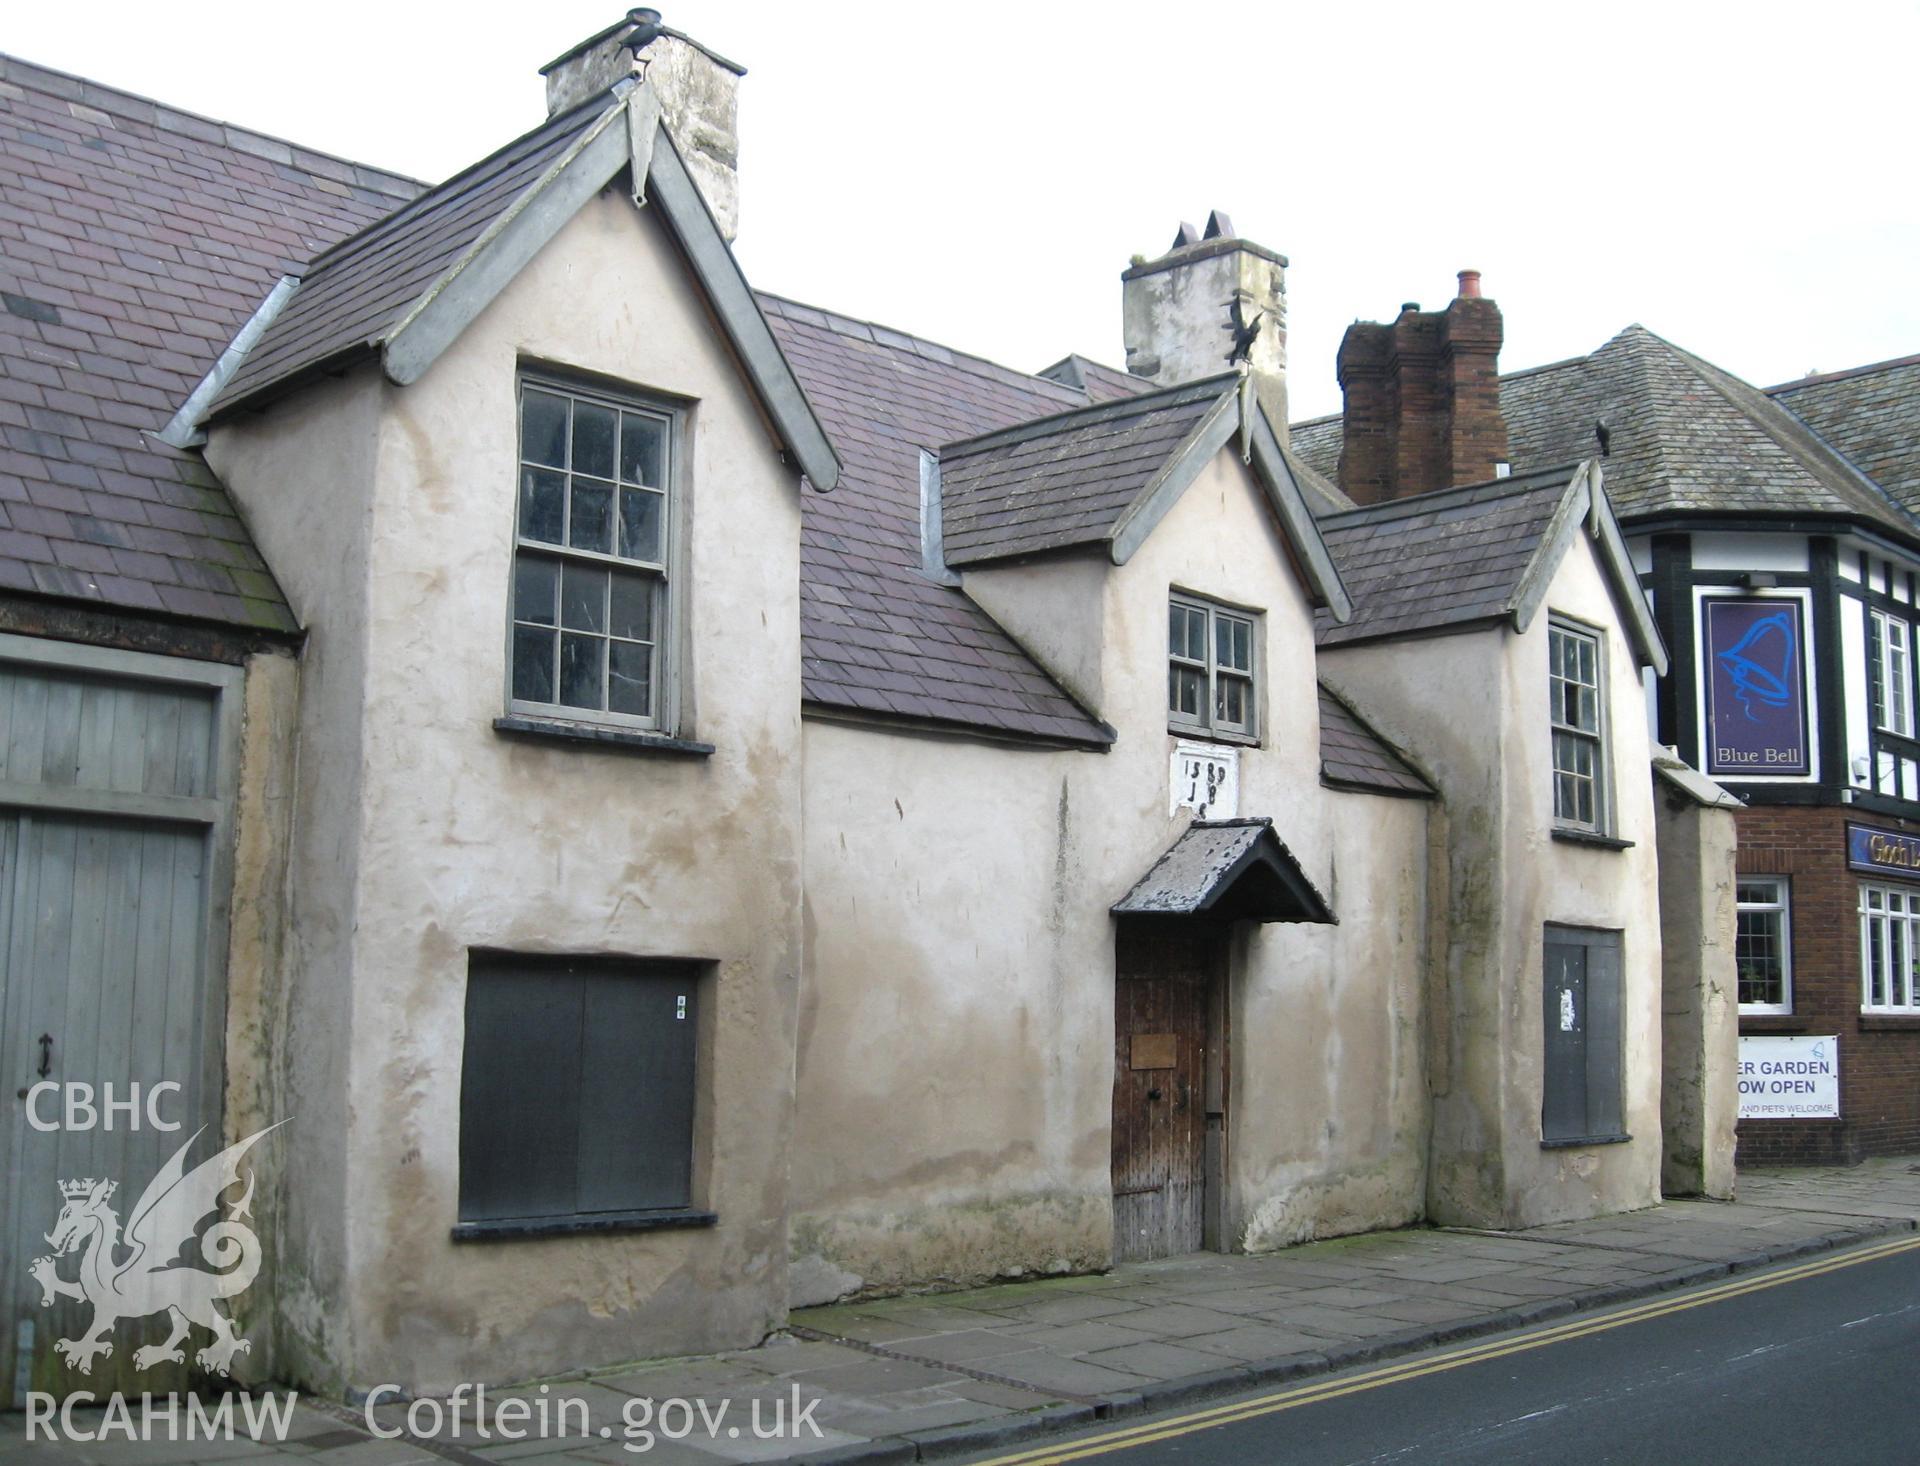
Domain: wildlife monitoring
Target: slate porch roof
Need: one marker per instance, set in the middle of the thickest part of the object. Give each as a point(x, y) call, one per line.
point(1441, 559)
point(135, 239)
point(1872, 415)
point(1687, 438)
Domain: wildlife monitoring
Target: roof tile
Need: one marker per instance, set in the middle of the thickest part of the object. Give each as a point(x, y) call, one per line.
point(119, 242)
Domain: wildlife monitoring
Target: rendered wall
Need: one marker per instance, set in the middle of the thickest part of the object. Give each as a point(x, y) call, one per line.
point(462, 839)
point(1475, 707)
point(956, 1053)
point(302, 473)
point(1699, 1011)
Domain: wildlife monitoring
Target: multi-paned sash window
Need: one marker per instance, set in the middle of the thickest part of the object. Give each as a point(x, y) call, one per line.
point(1763, 947)
point(1579, 764)
point(1211, 681)
point(591, 556)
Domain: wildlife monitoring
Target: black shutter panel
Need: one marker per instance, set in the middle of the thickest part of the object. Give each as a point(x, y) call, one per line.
point(636, 1109)
point(1603, 1036)
point(519, 1092)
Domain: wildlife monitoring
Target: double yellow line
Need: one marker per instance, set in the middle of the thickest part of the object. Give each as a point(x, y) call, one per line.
point(1373, 1379)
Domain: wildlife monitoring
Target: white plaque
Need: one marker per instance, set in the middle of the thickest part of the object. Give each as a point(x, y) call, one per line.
point(1789, 1078)
point(1206, 780)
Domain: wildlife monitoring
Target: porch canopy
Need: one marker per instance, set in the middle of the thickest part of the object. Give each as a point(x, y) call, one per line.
point(1227, 870)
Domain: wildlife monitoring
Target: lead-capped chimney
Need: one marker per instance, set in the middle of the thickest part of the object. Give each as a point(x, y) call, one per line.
point(1423, 399)
point(1212, 299)
point(698, 90)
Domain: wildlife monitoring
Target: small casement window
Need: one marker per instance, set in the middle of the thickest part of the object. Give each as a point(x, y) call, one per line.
point(1892, 679)
point(1763, 944)
point(577, 1095)
point(591, 557)
point(1579, 762)
point(1889, 948)
point(1211, 682)
point(1581, 1078)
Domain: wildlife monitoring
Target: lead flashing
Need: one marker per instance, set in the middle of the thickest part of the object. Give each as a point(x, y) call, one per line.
point(183, 430)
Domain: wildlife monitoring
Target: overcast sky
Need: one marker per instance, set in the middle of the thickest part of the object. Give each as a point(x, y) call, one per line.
point(1739, 178)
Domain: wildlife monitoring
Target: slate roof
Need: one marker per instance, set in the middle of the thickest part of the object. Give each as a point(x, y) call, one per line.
point(1066, 480)
point(1353, 756)
point(1686, 437)
point(354, 293)
point(135, 239)
point(1439, 559)
point(1099, 383)
point(880, 635)
point(1872, 415)
point(1316, 443)
point(1233, 868)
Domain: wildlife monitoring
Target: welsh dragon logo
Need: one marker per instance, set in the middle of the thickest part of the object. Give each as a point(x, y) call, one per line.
point(142, 1273)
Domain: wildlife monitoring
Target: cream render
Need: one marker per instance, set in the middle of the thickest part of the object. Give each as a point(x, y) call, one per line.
point(454, 838)
point(926, 1161)
point(1477, 702)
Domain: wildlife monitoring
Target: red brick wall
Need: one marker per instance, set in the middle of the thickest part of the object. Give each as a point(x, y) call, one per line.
point(1879, 1055)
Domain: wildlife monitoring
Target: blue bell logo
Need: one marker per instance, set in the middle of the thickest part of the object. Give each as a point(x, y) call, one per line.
point(1760, 663)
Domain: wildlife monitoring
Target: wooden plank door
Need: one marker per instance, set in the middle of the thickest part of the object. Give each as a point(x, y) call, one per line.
point(103, 980)
point(1162, 1083)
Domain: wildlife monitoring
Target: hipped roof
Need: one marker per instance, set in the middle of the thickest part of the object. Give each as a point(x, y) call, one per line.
point(1685, 438)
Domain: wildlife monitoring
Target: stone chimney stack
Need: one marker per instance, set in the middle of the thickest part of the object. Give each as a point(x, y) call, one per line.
point(698, 90)
point(1423, 399)
point(1177, 313)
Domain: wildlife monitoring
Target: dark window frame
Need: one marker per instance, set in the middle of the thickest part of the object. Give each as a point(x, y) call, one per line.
point(580, 1095)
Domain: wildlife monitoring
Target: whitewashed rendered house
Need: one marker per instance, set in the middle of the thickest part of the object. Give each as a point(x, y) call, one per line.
point(761, 807)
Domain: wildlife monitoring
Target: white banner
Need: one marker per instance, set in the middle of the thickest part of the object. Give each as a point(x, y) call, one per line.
point(1784, 1078)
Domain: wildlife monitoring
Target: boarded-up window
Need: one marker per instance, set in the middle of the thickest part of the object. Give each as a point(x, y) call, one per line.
point(1581, 1101)
point(577, 1090)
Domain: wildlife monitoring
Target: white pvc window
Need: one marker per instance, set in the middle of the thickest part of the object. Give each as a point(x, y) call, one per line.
point(590, 562)
point(1763, 944)
point(1893, 674)
point(1889, 948)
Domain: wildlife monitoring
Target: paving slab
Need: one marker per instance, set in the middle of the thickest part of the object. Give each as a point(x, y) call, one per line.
point(905, 1378)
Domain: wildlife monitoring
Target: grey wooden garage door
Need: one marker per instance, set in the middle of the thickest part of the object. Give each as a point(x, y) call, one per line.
point(114, 798)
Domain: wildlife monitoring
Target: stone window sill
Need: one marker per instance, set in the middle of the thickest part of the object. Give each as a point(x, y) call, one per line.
point(1591, 837)
point(1585, 1140)
point(613, 740)
point(1890, 1022)
point(639, 1221)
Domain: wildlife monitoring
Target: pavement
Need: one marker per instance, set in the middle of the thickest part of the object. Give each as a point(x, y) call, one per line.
point(931, 1375)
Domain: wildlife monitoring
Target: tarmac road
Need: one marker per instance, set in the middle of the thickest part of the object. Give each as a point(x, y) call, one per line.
point(1814, 1364)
